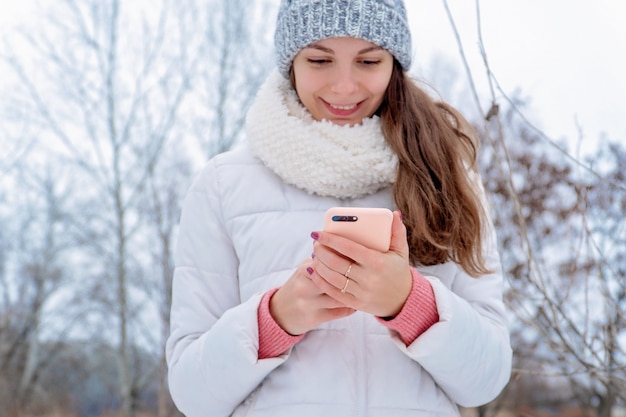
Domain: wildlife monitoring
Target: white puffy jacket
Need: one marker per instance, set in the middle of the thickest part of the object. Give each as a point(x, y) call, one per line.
point(243, 232)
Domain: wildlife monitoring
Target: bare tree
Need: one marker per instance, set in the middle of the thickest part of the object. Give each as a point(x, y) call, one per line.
point(35, 256)
point(164, 195)
point(562, 240)
point(239, 35)
point(107, 106)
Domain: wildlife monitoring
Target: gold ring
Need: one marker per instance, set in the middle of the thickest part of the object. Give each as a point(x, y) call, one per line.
point(347, 274)
point(343, 290)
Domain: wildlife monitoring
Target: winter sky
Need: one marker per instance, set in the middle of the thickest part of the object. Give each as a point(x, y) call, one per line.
point(567, 56)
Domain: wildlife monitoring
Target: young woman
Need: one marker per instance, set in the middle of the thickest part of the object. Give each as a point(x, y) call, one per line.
point(271, 316)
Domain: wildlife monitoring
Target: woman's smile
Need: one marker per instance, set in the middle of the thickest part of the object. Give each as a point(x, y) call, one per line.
point(343, 110)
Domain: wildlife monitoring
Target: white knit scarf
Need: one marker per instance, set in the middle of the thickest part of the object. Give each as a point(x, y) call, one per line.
point(317, 156)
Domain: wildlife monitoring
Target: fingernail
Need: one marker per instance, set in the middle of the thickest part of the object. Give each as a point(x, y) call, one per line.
point(315, 235)
point(400, 214)
point(310, 270)
point(312, 256)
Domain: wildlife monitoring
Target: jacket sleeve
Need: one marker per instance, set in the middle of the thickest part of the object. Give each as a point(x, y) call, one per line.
point(468, 352)
point(213, 344)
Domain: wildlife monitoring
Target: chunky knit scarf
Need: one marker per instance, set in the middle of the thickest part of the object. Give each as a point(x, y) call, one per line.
point(317, 156)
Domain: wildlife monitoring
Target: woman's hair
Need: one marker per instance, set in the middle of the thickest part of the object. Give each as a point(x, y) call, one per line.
point(436, 149)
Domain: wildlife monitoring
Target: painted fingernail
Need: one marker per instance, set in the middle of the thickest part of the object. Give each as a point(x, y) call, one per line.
point(315, 235)
point(310, 270)
point(312, 256)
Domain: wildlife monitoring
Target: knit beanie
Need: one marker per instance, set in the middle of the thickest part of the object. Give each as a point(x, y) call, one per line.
point(303, 22)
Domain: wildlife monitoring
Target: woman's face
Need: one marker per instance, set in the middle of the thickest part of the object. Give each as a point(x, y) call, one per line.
point(342, 80)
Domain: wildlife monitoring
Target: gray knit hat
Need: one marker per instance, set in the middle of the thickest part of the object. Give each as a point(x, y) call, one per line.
point(303, 22)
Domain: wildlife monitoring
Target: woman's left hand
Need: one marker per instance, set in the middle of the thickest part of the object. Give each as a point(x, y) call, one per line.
point(364, 279)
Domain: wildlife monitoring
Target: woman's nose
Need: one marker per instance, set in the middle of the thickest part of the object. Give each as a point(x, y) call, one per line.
point(344, 81)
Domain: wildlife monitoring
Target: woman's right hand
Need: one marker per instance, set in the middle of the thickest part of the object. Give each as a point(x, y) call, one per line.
point(299, 305)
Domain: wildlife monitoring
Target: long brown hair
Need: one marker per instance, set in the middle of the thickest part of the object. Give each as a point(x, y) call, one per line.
point(436, 149)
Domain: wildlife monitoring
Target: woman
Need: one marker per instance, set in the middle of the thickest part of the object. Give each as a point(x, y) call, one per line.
point(272, 316)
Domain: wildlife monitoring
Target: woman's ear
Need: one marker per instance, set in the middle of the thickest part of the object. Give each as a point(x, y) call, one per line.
point(292, 77)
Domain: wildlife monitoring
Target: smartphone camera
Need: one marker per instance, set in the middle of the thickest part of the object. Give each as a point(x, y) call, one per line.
point(345, 218)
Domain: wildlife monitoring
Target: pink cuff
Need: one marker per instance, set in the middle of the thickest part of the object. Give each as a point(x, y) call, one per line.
point(418, 313)
point(273, 340)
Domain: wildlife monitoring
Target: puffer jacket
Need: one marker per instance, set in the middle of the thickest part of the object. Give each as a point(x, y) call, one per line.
point(243, 231)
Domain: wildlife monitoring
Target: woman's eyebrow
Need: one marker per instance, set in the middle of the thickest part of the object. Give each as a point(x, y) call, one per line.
point(321, 48)
point(370, 49)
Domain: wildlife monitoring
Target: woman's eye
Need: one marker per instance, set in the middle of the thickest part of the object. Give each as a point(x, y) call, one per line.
point(370, 62)
point(316, 61)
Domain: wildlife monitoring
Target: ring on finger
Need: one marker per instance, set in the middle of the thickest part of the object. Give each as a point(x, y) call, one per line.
point(343, 290)
point(347, 274)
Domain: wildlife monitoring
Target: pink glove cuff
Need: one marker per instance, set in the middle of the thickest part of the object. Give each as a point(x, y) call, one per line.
point(273, 340)
point(418, 313)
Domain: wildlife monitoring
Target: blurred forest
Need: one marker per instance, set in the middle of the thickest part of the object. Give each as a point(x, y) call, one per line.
point(108, 111)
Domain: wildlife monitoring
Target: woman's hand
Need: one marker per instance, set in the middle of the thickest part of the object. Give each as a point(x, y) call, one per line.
point(362, 278)
point(300, 305)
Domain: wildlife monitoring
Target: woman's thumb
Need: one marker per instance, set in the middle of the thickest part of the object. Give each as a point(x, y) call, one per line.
point(398, 235)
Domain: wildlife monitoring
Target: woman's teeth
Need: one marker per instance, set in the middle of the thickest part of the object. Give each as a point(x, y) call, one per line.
point(350, 107)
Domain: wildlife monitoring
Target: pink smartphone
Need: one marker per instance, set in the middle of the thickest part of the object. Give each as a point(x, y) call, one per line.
point(370, 227)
